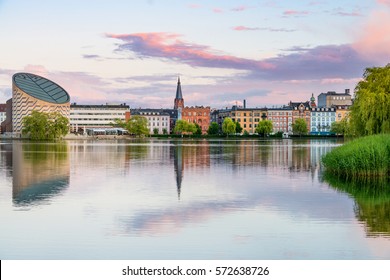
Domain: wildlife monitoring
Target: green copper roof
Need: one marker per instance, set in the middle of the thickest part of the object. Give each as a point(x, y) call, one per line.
point(41, 88)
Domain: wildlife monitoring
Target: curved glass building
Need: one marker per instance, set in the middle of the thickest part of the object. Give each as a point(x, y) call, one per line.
point(32, 92)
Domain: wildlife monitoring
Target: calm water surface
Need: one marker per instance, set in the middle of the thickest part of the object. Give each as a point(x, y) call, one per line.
point(175, 199)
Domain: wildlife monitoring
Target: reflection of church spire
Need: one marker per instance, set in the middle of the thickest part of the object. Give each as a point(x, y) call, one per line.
point(178, 163)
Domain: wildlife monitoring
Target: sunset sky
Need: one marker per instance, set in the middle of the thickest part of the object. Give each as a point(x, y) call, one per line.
point(267, 52)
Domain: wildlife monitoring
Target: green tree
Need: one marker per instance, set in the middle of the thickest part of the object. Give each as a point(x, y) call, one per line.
point(183, 126)
point(228, 126)
point(370, 112)
point(238, 127)
point(299, 127)
point(138, 126)
point(264, 127)
point(198, 129)
point(155, 131)
point(213, 129)
point(45, 126)
point(340, 128)
point(165, 131)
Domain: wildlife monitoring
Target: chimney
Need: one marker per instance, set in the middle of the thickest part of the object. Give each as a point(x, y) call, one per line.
point(347, 91)
point(244, 104)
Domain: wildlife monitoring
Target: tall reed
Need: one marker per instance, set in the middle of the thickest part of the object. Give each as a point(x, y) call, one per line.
point(363, 157)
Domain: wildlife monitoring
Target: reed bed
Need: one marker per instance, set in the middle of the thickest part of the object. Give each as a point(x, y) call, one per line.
point(363, 157)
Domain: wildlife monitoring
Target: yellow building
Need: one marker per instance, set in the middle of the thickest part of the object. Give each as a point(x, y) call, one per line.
point(31, 92)
point(248, 118)
point(342, 112)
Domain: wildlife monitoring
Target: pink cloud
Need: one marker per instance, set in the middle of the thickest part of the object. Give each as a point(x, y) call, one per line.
point(384, 2)
point(81, 86)
point(373, 42)
point(217, 10)
point(194, 6)
point(37, 70)
point(295, 13)
point(301, 63)
point(244, 28)
point(169, 46)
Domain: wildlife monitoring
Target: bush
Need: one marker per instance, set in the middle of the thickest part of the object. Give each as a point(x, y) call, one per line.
point(364, 157)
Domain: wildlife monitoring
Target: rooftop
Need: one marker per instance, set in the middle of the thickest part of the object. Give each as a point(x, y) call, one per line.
point(41, 88)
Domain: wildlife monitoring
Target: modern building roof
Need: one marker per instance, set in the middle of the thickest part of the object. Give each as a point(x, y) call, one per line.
point(333, 93)
point(149, 112)
point(102, 106)
point(41, 88)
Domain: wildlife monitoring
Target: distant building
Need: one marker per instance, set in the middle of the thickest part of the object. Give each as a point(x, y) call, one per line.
point(331, 98)
point(322, 119)
point(3, 114)
point(6, 125)
point(248, 118)
point(194, 114)
point(31, 92)
point(157, 119)
point(342, 112)
point(84, 117)
point(281, 118)
point(301, 110)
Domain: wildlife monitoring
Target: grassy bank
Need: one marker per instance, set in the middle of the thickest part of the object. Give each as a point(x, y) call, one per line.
point(363, 157)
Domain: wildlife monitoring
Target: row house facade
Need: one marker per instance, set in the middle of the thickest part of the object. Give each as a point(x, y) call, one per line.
point(158, 119)
point(281, 118)
point(197, 114)
point(301, 110)
point(248, 118)
point(321, 120)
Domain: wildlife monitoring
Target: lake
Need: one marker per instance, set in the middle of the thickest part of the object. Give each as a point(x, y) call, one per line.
point(183, 199)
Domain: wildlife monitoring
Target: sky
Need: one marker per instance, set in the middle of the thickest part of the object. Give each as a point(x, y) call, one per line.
point(266, 52)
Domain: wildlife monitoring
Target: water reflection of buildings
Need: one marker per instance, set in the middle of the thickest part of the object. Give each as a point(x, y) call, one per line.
point(189, 156)
point(6, 158)
point(40, 171)
point(278, 154)
point(289, 155)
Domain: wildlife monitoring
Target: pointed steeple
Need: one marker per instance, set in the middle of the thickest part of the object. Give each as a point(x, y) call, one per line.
point(179, 101)
point(178, 89)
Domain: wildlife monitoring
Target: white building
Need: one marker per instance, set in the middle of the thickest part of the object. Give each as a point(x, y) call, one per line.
point(83, 117)
point(157, 119)
point(321, 119)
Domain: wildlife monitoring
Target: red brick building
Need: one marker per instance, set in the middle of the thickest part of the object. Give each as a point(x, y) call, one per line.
point(193, 114)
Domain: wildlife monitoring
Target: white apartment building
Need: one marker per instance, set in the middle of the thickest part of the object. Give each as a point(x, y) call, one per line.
point(83, 117)
point(322, 119)
point(157, 119)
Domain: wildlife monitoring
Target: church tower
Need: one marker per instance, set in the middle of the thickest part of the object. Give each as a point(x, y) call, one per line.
point(179, 101)
point(313, 101)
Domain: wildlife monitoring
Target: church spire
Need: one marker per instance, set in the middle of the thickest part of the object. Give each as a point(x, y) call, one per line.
point(179, 101)
point(178, 89)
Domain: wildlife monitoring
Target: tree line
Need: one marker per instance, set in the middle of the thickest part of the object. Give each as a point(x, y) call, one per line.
point(369, 114)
